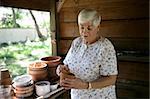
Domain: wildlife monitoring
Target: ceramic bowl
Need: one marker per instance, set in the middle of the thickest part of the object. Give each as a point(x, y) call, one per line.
point(42, 88)
point(54, 86)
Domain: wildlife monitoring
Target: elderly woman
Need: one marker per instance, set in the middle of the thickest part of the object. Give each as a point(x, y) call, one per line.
point(92, 59)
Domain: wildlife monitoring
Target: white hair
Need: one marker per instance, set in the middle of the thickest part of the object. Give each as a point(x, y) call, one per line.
point(89, 15)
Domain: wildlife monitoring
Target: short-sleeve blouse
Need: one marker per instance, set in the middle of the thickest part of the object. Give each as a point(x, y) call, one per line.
point(90, 62)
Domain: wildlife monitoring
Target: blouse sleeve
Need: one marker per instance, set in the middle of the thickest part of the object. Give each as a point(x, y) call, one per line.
point(109, 61)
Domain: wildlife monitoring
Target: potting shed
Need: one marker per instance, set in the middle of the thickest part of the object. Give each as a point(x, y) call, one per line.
point(124, 22)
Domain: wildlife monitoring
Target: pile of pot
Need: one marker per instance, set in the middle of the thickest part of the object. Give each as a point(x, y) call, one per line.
point(6, 91)
point(23, 86)
point(38, 71)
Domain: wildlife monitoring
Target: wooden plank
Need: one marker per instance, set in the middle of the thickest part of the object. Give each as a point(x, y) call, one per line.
point(132, 44)
point(79, 3)
point(133, 71)
point(69, 30)
point(53, 27)
point(132, 91)
point(26, 4)
point(118, 28)
point(112, 9)
point(64, 46)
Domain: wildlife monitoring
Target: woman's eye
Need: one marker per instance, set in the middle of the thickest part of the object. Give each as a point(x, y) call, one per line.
point(89, 29)
point(82, 27)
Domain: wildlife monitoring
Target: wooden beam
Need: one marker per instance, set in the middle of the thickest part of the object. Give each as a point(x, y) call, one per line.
point(53, 27)
point(108, 9)
point(27, 4)
point(59, 5)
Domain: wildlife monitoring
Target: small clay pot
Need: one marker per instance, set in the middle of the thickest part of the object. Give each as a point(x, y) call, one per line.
point(6, 81)
point(37, 66)
point(66, 75)
point(52, 62)
point(38, 71)
point(5, 77)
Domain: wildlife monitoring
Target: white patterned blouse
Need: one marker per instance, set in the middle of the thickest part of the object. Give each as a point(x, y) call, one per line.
point(90, 62)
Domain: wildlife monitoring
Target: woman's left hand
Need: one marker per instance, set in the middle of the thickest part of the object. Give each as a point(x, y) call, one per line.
point(75, 83)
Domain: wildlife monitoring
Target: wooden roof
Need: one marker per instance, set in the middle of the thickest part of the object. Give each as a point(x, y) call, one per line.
point(42, 5)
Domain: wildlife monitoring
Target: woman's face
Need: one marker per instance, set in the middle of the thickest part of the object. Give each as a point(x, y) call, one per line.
point(88, 32)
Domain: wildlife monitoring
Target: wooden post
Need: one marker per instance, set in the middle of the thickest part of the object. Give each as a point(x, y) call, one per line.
point(53, 27)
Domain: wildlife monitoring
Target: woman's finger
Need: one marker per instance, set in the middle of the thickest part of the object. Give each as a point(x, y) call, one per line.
point(66, 84)
point(70, 79)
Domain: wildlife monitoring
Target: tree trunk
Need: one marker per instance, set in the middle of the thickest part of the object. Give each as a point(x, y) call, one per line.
point(36, 26)
point(14, 18)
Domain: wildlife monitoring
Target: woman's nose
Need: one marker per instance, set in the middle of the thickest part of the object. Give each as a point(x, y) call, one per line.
point(85, 31)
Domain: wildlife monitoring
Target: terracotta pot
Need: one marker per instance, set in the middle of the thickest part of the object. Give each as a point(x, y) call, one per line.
point(23, 91)
point(52, 62)
point(29, 87)
point(39, 77)
point(25, 95)
point(5, 77)
point(38, 71)
point(6, 81)
point(37, 66)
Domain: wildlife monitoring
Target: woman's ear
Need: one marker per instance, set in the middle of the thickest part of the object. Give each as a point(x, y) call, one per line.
point(98, 27)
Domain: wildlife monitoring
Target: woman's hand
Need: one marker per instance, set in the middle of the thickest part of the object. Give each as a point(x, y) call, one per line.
point(62, 68)
point(76, 83)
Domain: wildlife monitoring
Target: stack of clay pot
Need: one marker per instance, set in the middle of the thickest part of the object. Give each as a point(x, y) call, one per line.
point(5, 78)
point(38, 71)
point(23, 86)
point(52, 62)
point(6, 92)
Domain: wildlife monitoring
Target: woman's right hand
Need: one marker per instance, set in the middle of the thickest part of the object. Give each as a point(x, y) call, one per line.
point(62, 68)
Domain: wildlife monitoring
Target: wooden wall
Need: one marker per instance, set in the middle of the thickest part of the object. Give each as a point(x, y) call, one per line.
point(133, 80)
point(126, 23)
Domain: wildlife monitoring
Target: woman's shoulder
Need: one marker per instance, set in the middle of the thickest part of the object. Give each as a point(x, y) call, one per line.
point(77, 40)
point(107, 42)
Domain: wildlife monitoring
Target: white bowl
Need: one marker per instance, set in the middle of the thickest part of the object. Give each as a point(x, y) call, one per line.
point(42, 88)
point(54, 86)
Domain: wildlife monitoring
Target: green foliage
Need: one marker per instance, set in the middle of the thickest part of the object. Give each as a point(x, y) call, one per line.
point(18, 14)
point(7, 19)
point(21, 15)
point(12, 54)
point(16, 70)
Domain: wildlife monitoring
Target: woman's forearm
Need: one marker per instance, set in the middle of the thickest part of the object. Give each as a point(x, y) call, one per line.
point(103, 81)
